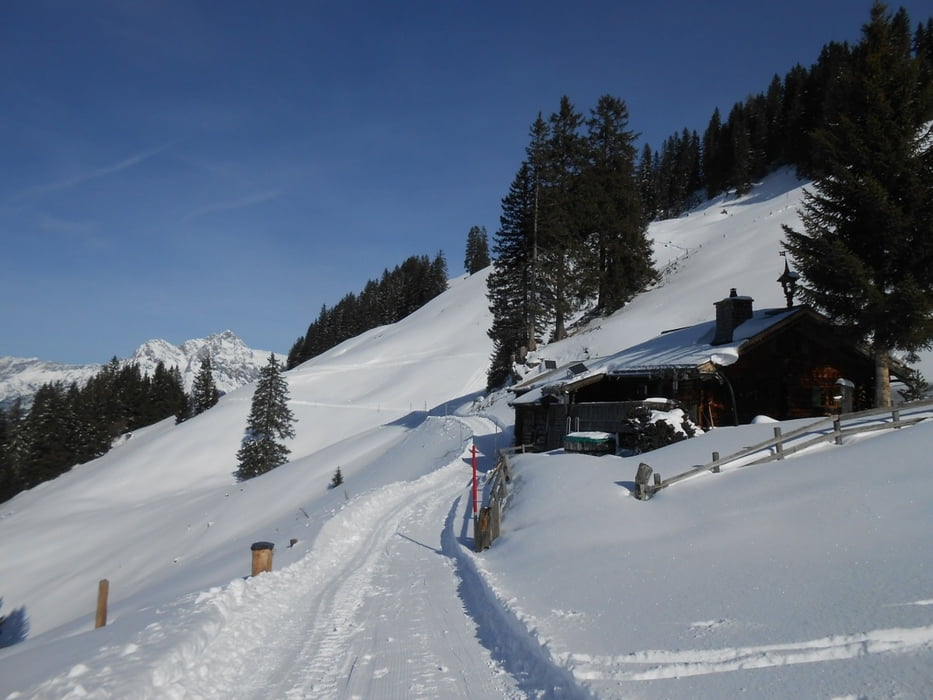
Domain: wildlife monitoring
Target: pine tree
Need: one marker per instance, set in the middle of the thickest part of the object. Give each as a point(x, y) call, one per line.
point(647, 185)
point(612, 209)
point(337, 479)
point(204, 393)
point(510, 286)
point(47, 423)
point(565, 259)
point(713, 156)
point(270, 421)
point(437, 277)
point(15, 448)
point(7, 477)
point(477, 250)
point(866, 252)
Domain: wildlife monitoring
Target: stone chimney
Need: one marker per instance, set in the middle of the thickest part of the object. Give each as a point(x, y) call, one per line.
point(730, 312)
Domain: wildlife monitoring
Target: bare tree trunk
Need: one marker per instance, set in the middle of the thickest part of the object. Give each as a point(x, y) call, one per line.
point(533, 319)
point(882, 378)
point(560, 330)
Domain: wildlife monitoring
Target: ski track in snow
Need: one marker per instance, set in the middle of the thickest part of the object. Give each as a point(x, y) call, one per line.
point(661, 664)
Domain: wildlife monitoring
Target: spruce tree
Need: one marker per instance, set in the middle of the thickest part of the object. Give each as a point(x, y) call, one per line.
point(270, 421)
point(561, 236)
point(612, 207)
point(47, 423)
point(866, 252)
point(15, 448)
point(477, 250)
point(437, 277)
point(7, 487)
point(204, 393)
point(510, 285)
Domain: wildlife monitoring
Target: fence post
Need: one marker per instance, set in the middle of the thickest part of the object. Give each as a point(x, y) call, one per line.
point(779, 444)
point(716, 465)
point(837, 430)
point(896, 416)
point(641, 482)
point(262, 557)
point(103, 590)
point(481, 534)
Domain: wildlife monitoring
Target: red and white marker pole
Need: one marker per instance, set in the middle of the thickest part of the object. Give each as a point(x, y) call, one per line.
point(475, 487)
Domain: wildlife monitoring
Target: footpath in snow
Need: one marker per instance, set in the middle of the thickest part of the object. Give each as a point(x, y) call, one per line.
point(387, 604)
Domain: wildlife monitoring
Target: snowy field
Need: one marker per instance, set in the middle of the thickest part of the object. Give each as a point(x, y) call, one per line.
point(811, 577)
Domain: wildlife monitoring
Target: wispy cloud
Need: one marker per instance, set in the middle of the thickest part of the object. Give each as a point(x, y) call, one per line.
point(242, 203)
point(83, 232)
point(38, 191)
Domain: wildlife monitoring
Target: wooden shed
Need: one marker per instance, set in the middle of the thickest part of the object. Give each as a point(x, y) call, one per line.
point(782, 363)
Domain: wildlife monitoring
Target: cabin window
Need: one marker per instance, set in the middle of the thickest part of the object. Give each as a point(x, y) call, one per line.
point(816, 397)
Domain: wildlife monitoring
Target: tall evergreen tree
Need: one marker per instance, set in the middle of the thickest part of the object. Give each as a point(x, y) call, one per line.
point(48, 452)
point(510, 286)
point(561, 235)
point(739, 150)
point(611, 205)
point(714, 167)
point(204, 393)
point(477, 250)
point(647, 186)
point(7, 476)
point(866, 251)
point(270, 421)
point(166, 393)
point(16, 447)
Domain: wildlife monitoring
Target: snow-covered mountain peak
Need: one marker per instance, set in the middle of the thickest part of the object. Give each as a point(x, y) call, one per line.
point(232, 361)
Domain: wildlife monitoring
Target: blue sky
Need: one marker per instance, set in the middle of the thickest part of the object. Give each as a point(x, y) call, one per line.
point(173, 169)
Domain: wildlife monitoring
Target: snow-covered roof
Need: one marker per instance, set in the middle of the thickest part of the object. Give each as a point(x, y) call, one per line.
point(682, 348)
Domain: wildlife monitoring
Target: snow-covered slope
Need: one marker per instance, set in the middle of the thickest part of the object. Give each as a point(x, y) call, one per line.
point(725, 243)
point(233, 363)
point(809, 577)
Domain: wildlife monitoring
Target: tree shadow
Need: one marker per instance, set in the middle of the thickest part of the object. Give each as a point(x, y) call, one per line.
point(14, 628)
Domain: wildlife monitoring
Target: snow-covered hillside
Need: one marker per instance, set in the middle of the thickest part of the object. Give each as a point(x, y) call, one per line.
point(809, 577)
point(233, 363)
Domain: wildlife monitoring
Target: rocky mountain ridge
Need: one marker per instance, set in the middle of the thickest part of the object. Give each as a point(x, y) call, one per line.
point(233, 363)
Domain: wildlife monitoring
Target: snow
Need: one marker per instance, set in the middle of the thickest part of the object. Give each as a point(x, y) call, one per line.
point(807, 577)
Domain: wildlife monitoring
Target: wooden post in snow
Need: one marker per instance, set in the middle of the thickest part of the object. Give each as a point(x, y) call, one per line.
point(642, 477)
point(482, 533)
point(262, 557)
point(778, 444)
point(103, 590)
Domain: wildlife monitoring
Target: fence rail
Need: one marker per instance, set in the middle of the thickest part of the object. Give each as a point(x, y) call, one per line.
point(781, 445)
point(490, 514)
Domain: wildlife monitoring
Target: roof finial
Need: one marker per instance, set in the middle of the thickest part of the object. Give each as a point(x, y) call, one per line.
point(788, 280)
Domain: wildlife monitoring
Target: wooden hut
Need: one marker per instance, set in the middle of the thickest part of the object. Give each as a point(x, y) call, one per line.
point(783, 363)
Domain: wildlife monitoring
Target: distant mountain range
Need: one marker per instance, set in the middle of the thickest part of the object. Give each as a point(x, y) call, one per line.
point(233, 363)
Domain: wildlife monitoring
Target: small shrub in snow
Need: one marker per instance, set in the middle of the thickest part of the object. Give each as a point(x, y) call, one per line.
point(646, 429)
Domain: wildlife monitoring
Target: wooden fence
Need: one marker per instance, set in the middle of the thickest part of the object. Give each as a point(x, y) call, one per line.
point(486, 529)
point(831, 428)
